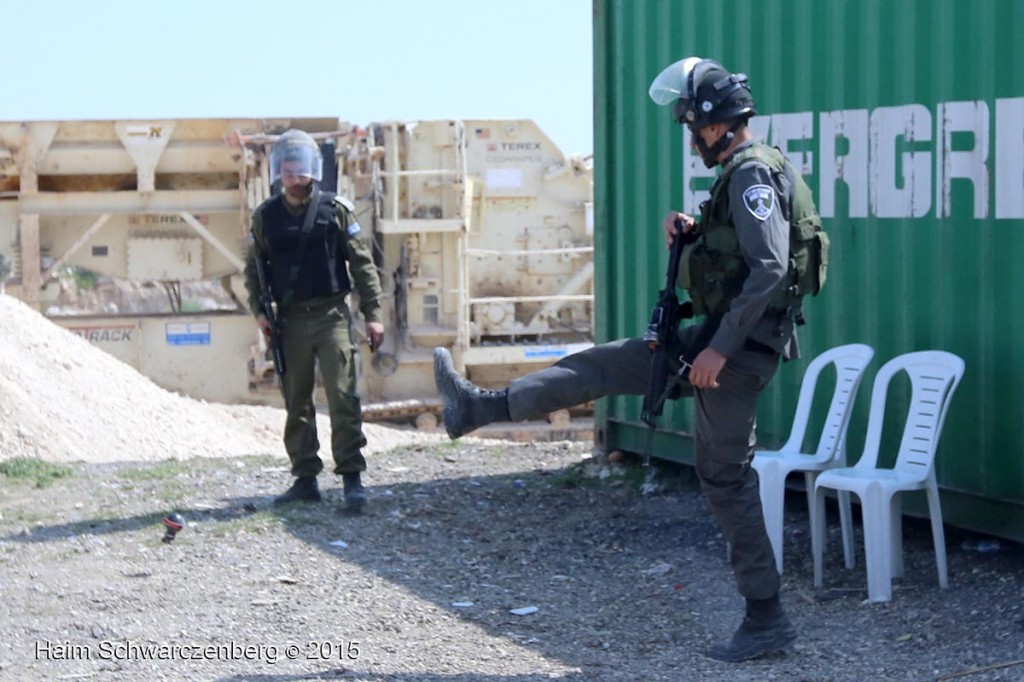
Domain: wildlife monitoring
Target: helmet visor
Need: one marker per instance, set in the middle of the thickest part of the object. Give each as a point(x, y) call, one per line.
point(291, 159)
point(674, 82)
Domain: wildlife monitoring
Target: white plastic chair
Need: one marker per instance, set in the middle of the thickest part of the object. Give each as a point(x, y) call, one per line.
point(934, 376)
point(774, 465)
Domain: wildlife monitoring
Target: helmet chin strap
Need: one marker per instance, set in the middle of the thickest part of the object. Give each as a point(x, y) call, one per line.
point(710, 154)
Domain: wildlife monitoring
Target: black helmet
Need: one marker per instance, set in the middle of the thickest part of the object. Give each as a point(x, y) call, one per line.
point(703, 92)
point(299, 148)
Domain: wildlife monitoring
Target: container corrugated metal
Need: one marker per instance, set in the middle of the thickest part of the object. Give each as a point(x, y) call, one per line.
point(907, 120)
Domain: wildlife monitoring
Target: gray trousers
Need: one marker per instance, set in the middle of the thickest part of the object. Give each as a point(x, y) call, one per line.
point(723, 447)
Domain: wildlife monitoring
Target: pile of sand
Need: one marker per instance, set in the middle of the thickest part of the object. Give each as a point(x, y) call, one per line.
point(62, 400)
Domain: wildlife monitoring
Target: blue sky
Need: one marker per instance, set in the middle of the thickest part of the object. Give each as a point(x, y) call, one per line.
point(361, 61)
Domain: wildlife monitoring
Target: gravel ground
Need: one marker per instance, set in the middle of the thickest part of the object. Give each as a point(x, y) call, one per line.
point(623, 575)
point(476, 561)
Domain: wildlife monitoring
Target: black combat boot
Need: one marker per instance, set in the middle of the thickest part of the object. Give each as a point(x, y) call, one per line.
point(303, 490)
point(466, 407)
point(355, 494)
point(765, 629)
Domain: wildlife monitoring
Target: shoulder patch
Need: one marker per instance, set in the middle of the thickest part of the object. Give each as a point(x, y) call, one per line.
point(354, 229)
point(759, 200)
point(342, 201)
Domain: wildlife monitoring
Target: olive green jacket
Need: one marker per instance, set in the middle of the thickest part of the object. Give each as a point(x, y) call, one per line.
point(358, 253)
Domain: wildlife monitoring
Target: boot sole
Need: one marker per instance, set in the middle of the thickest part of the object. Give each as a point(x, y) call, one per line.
point(444, 370)
point(764, 648)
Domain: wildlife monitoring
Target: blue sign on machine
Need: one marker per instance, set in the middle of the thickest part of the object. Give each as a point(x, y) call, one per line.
point(188, 333)
point(554, 352)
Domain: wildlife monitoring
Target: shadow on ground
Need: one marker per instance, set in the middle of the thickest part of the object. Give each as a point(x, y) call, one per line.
point(625, 585)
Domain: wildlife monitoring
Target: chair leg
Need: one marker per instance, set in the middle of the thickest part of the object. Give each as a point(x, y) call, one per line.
point(809, 478)
point(896, 535)
point(846, 523)
point(772, 487)
point(818, 534)
point(938, 534)
point(877, 543)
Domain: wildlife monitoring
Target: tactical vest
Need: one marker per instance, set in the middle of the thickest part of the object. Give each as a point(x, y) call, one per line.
point(321, 264)
point(713, 270)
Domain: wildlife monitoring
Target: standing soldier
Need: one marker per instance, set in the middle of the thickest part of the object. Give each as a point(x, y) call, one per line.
point(760, 250)
point(311, 250)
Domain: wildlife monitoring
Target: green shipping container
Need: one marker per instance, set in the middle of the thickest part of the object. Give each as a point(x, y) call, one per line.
point(907, 120)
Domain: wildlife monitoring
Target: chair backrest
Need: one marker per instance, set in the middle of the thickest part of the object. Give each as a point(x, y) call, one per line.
point(934, 376)
point(850, 361)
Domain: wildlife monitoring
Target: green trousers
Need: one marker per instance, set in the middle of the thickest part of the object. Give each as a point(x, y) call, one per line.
point(321, 334)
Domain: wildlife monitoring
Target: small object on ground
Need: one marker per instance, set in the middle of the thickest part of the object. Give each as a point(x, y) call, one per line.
point(524, 611)
point(174, 523)
point(982, 546)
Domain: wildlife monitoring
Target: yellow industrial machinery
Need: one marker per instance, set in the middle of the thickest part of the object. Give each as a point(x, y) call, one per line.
point(483, 228)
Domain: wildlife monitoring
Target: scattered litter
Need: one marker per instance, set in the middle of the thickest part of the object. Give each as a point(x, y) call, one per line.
point(428, 508)
point(524, 611)
point(660, 568)
point(398, 470)
point(983, 546)
point(340, 543)
point(651, 485)
point(462, 604)
point(287, 580)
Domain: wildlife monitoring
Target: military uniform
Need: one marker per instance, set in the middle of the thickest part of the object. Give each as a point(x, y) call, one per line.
point(758, 252)
point(750, 336)
point(310, 278)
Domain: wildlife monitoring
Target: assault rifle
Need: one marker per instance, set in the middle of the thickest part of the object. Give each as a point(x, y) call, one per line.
point(662, 338)
point(267, 301)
